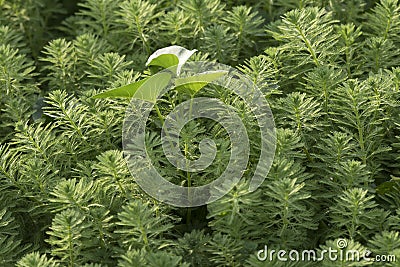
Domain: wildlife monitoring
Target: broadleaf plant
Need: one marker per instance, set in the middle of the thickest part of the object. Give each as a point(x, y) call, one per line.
point(171, 58)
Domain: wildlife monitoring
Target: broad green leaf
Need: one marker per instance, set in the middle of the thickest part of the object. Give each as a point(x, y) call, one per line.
point(165, 61)
point(193, 84)
point(170, 56)
point(151, 89)
point(127, 91)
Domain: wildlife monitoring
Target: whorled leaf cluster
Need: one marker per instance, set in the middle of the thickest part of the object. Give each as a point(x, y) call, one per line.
point(329, 69)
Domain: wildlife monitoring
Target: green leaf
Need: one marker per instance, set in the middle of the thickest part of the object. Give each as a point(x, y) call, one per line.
point(152, 88)
point(167, 57)
point(193, 84)
point(388, 186)
point(170, 56)
point(127, 91)
point(165, 61)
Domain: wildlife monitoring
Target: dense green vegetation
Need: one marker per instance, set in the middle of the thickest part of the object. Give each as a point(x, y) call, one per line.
point(329, 69)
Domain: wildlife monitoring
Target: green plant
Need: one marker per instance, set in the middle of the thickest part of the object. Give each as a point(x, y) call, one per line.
point(330, 71)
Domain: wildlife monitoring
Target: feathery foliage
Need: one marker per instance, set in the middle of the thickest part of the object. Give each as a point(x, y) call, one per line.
point(330, 71)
